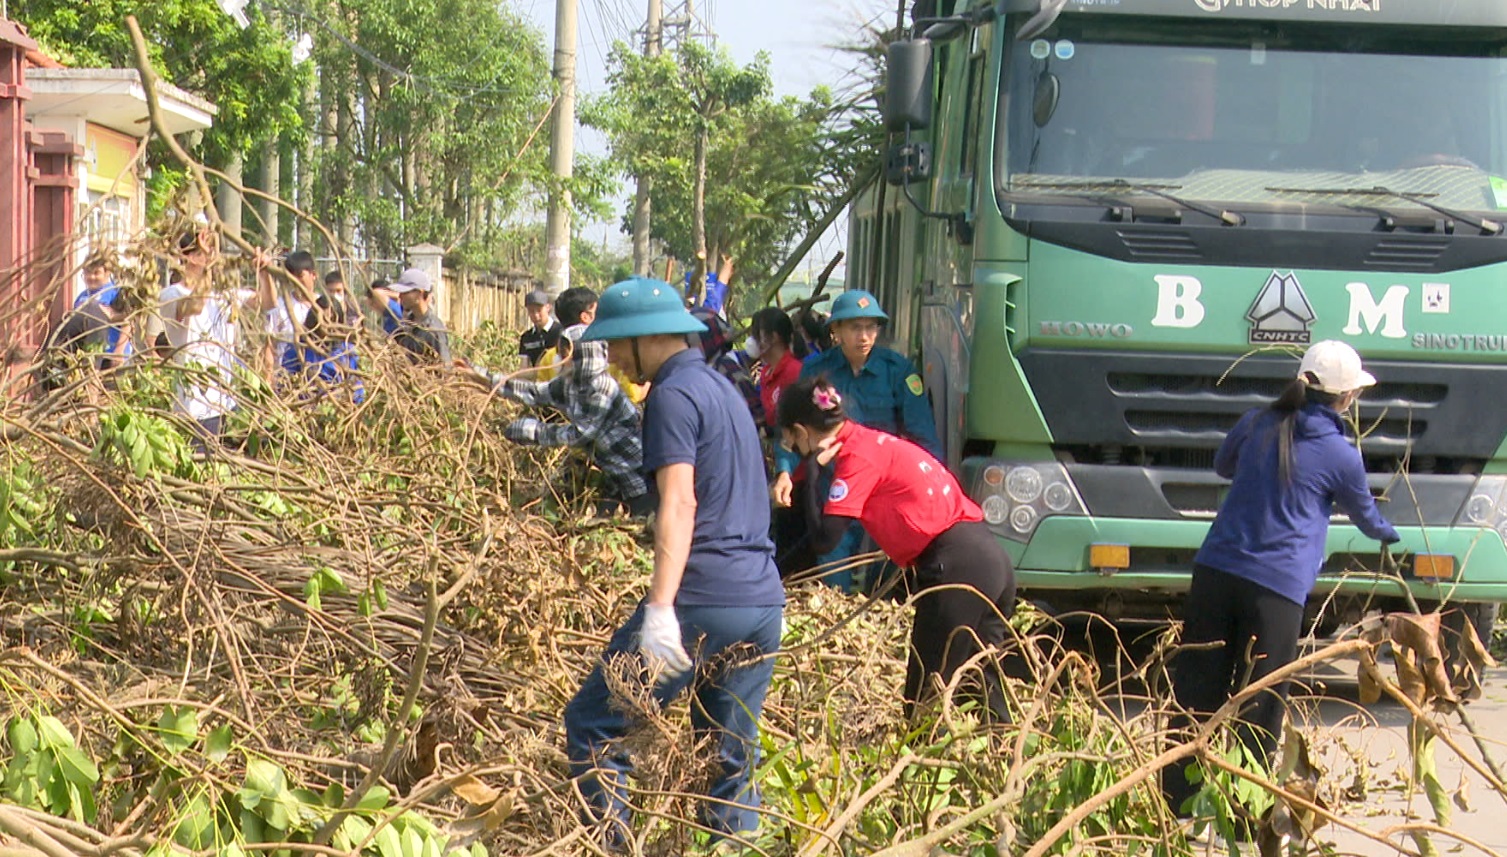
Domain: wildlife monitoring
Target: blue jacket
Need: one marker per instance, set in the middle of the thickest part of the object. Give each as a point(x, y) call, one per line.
point(886, 395)
point(1273, 534)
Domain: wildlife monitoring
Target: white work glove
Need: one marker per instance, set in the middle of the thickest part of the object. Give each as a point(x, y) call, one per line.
point(659, 642)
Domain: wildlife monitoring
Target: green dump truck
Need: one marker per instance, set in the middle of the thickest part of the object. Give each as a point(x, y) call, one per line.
point(1110, 226)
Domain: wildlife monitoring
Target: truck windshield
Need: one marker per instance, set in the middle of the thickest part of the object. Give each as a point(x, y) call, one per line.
point(1258, 116)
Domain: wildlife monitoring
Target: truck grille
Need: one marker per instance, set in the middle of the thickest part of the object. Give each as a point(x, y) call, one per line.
point(1165, 409)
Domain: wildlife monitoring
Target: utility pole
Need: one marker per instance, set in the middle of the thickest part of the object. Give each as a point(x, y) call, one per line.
point(562, 150)
point(641, 205)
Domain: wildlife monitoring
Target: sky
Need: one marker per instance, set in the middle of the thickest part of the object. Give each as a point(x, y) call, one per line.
point(797, 34)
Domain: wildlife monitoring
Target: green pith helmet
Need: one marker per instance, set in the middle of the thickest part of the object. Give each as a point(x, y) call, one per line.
point(856, 303)
point(640, 307)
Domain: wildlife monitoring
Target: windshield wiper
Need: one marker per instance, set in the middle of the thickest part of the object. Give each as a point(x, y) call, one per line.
point(1486, 225)
point(1223, 215)
point(1228, 218)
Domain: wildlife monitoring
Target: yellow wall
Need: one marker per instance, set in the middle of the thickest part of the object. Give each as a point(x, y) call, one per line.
point(108, 155)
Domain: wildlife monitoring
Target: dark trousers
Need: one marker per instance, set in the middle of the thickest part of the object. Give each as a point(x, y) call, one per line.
point(728, 689)
point(1259, 631)
point(952, 623)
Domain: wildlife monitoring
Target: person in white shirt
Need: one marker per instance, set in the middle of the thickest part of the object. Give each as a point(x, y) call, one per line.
point(291, 307)
point(198, 329)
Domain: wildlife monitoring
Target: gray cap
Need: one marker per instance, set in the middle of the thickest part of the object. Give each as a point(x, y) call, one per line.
point(411, 280)
point(537, 297)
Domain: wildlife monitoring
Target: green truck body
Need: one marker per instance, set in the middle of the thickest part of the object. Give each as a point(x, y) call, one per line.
point(1124, 228)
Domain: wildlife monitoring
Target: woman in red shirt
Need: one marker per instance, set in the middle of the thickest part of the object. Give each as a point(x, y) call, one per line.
point(962, 580)
point(772, 329)
point(774, 339)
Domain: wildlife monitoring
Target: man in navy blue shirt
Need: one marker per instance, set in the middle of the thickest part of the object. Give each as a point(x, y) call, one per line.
point(711, 620)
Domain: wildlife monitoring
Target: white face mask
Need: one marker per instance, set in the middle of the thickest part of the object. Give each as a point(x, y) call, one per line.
point(752, 348)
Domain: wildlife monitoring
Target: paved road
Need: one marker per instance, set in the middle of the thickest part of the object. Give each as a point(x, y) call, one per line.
point(1343, 731)
point(1378, 733)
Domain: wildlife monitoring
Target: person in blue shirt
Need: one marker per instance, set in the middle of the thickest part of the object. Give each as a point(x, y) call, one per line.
point(880, 389)
point(711, 619)
point(384, 302)
point(100, 288)
point(1291, 466)
point(324, 357)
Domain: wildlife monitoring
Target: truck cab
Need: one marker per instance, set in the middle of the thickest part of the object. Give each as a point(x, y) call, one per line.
point(1111, 226)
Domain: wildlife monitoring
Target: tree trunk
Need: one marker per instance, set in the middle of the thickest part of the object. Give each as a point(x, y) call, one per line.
point(229, 199)
point(698, 200)
point(346, 132)
point(272, 175)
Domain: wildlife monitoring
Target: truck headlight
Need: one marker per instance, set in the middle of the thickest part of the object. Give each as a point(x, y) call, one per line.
point(1487, 506)
point(1023, 484)
point(1016, 496)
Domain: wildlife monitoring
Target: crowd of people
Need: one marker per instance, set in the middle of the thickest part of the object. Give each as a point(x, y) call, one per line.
point(803, 450)
point(296, 328)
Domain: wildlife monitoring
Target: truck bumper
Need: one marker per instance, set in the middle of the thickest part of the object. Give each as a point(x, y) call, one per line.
point(1162, 515)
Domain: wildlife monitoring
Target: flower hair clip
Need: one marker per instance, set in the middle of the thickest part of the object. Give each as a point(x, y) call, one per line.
point(826, 398)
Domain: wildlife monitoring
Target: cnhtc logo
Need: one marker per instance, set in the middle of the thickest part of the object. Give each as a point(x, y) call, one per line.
point(1281, 314)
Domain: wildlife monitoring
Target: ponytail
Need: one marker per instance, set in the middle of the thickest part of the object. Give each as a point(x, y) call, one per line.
point(1294, 396)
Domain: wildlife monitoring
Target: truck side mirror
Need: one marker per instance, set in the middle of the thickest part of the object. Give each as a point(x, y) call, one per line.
point(908, 85)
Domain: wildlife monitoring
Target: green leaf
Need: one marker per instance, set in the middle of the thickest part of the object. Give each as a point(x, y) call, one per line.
point(330, 580)
point(388, 843)
point(217, 743)
point(380, 592)
point(413, 843)
point(22, 736)
point(196, 828)
point(75, 767)
point(53, 733)
point(355, 829)
point(375, 799)
point(178, 729)
point(264, 780)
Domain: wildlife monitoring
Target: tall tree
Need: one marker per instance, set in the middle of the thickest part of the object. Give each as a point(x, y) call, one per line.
point(433, 109)
point(759, 169)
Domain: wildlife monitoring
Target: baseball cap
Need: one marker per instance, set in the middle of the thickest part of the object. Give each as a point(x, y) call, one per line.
point(1332, 366)
point(411, 280)
point(537, 297)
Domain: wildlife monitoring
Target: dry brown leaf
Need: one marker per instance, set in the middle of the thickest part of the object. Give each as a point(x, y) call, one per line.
point(473, 791)
point(1422, 636)
point(1366, 677)
point(1409, 679)
point(1462, 794)
point(1471, 665)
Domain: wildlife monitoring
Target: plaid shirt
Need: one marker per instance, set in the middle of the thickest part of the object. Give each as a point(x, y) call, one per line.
point(730, 367)
point(600, 418)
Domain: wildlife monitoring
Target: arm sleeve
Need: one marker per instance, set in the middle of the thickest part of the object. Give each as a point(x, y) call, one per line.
point(915, 408)
point(670, 431)
point(1228, 456)
point(589, 419)
point(853, 483)
point(825, 530)
point(524, 431)
point(525, 392)
point(1353, 496)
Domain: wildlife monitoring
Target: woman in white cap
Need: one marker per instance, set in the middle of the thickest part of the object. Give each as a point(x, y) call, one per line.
point(1291, 465)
